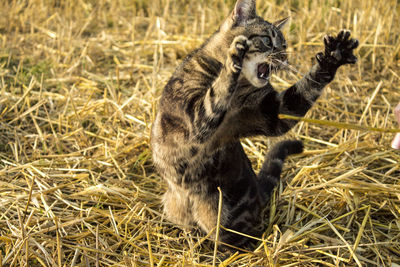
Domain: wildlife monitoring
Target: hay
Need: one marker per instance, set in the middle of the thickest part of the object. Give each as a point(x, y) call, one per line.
point(80, 82)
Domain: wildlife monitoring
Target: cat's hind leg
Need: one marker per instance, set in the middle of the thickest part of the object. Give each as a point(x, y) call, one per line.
point(244, 217)
point(270, 172)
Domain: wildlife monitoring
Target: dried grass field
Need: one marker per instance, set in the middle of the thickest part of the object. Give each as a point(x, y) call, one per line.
point(79, 87)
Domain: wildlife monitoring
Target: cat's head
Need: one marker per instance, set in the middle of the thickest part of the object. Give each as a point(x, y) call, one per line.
point(267, 51)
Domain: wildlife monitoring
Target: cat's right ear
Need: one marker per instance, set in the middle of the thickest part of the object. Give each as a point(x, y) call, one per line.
point(244, 10)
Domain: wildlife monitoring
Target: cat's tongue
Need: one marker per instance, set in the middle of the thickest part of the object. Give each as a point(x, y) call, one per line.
point(263, 71)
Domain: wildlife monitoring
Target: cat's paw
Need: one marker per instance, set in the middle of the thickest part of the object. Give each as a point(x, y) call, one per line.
point(338, 50)
point(236, 53)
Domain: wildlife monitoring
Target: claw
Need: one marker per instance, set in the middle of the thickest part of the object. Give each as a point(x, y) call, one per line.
point(330, 43)
point(346, 35)
point(340, 35)
point(326, 40)
point(353, 44)
point(319, 56)
point(237, 67)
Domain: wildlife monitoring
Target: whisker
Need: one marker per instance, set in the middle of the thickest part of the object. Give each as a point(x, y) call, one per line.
point(280, 53)
point(289, 67)
point(276, 64)
point(294, 70)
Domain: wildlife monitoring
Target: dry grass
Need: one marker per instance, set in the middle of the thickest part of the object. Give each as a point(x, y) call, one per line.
point(80, 82)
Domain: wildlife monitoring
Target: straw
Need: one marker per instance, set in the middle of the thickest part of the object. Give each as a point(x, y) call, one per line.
point(80, 83)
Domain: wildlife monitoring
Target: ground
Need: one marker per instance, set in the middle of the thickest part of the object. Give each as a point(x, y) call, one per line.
point(80, 83)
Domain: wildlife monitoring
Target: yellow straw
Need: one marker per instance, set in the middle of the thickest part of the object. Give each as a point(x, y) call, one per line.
point(340, 125)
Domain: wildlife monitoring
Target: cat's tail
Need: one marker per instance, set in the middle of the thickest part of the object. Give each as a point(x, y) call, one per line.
point(270, 172)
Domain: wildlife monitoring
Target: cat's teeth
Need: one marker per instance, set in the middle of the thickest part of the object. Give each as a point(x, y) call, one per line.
point(264, 76)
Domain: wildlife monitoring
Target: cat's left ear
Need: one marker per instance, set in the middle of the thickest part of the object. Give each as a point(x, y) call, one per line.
point(280, 23)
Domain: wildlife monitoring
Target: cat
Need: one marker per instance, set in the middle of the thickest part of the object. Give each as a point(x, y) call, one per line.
point(220, 93)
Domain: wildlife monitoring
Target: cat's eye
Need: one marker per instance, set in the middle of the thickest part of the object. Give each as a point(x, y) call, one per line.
point(266, 40)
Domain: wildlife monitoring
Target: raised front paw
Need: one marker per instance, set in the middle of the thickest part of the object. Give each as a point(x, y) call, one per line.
point(338, 50)
point(236, 53)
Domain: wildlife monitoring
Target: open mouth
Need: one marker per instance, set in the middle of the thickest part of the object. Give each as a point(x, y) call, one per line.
point(263, 71)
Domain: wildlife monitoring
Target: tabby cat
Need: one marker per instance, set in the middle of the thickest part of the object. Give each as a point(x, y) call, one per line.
point(219, 94)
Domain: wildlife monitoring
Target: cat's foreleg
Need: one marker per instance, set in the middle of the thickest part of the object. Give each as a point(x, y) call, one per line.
point(299, 98)
point(217, 99)
point(177, 207)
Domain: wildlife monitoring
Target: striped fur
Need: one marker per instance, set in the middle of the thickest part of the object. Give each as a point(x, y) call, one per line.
point(219, 94)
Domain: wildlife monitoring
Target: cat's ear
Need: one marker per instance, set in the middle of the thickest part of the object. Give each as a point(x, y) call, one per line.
point(244, 10)
point(280, 23)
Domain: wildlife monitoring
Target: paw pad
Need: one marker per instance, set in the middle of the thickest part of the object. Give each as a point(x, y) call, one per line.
point(338, 50)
